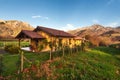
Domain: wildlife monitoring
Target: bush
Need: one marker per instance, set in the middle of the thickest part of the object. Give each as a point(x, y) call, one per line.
point(1, 44)
point(115, 46)
point(93, 39)
point(12, 49)
point(40, 47)
point(103, 43)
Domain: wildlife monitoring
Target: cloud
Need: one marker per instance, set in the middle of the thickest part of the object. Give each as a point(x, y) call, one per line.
point(36, 16)
point(95, 21)
point(113, 24)
point(68, 27)
point(46, 18)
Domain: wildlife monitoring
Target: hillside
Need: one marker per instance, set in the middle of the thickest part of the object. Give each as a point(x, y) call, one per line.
point(10, 28)
point(101, 63)
point(96, 64)
point(98, 30)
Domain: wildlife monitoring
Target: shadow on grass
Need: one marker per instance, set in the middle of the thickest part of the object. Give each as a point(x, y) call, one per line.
point(108, 50)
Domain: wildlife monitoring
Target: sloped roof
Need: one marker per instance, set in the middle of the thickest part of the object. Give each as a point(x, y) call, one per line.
point(29, 34)
point(54, 32)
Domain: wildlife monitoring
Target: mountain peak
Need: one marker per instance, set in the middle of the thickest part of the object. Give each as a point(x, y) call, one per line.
point(96, 26)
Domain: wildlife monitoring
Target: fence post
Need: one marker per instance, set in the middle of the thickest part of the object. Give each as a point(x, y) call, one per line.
point(1, 65)
point(21, 68)
point(63, 51)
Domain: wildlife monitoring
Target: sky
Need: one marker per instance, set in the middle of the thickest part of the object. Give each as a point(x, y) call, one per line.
point(62, 14)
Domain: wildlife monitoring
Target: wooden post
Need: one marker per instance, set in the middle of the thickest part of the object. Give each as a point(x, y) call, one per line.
point(4, 43)
point(71, 49)
point(77, 48)
point(22, 61)
point(19, 42)
point(63, 51)
point(50, 54)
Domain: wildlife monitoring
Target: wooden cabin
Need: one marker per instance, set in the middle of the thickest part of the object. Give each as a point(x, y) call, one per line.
point(33, 36)
point(44, 37)
point(59, 38)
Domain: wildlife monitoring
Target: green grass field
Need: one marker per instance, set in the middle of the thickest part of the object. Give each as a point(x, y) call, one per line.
point(10, 61)
point(97, 64)
point(101, 63)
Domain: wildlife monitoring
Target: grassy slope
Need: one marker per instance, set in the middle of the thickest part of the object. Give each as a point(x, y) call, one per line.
point(100, 63)
point(10, 61)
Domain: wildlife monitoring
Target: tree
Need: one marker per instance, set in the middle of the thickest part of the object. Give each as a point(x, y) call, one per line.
point(93, 39)
point(105, 41)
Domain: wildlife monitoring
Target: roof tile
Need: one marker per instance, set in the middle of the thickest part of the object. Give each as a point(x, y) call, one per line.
point(29, 34)
point(54, 32)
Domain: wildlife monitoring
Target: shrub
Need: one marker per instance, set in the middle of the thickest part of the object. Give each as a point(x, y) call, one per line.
point(1, 44)
point(40, 47)
point(93, 39)
point(115, 46)
point(103, 43)
point(12, 49)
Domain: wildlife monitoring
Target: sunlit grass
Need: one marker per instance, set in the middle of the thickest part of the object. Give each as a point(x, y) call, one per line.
point(10, 61)
point(100, 63)
point(96, 64)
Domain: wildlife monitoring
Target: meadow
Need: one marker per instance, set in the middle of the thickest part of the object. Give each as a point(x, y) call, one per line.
point(3, 43)
point(101, 63)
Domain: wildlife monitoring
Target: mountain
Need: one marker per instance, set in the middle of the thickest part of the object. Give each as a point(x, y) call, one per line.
point(99, 31)
point(10, 28)
point(92, 30)
point(118, 27)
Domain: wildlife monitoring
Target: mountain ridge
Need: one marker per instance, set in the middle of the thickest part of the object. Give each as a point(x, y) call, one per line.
point(10, 28)
point(99, 31)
